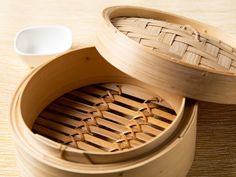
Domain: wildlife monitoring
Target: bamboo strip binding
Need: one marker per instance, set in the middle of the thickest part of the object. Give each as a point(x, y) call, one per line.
point(104, 118)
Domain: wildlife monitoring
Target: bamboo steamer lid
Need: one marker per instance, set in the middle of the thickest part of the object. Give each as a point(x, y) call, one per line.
point(176, 54)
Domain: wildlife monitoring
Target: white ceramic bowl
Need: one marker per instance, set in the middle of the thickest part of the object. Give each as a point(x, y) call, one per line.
point(38, 44)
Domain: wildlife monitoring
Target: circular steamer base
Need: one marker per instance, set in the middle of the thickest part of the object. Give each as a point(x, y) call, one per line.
point(108, 117)
point(115, 151)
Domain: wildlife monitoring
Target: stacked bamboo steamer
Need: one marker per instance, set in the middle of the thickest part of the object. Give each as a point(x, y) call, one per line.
point(78, 115)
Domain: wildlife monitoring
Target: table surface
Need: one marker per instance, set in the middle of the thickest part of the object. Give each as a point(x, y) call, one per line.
point(216, 136)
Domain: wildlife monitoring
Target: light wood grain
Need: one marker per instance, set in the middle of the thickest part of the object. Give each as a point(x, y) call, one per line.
point(216, 148)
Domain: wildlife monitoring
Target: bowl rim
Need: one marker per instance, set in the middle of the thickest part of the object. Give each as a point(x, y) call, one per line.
point(45, 27)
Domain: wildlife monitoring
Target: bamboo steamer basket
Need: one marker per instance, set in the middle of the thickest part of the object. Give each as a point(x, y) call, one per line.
point(40, 156)
point(178, 54)
point(45, 95)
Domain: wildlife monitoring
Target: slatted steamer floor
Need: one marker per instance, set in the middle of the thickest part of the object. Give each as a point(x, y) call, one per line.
point(104, 118)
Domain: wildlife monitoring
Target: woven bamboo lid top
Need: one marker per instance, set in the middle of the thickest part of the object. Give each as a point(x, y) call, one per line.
point(182, 42)
point(175, 53)
point(105, 118)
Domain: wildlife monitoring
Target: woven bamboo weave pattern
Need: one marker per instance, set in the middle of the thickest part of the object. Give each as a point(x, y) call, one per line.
point(180, 41)
point(104, 118)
